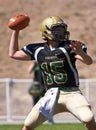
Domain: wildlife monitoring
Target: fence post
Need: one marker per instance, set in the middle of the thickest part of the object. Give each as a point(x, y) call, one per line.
point(8, 99)
point(87, 88)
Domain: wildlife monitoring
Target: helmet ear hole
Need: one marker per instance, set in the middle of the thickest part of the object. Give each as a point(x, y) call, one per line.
point(45, 32)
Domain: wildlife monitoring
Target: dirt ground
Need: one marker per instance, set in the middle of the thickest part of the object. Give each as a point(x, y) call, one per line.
point(79, 15)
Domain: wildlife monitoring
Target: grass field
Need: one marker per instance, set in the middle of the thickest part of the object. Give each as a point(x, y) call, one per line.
point(75, 126)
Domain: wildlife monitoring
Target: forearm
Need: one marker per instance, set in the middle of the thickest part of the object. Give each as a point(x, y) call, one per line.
point(13, 47)
point(84, 58)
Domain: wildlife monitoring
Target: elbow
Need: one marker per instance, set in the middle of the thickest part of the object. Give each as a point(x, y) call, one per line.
point(11, 55)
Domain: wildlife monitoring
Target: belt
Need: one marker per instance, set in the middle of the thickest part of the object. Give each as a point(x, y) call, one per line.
point(68, 88)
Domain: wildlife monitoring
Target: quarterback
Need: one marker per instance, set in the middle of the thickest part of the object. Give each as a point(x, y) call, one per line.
point(56, 57)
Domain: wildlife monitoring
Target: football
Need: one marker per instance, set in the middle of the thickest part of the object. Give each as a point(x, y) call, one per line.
point(18, 22)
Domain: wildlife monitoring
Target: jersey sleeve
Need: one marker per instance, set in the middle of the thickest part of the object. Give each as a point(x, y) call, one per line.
point(29, 50)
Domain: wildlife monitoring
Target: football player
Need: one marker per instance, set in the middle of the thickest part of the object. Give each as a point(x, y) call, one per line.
point(36, 89)
point(56, 57)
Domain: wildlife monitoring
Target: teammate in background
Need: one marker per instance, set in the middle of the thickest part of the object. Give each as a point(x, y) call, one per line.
point(56, 57)
point(37, 89)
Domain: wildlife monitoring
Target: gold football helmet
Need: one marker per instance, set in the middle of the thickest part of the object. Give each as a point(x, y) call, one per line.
point(48, 26)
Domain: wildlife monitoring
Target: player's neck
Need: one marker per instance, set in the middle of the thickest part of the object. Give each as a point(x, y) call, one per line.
point(53, 44)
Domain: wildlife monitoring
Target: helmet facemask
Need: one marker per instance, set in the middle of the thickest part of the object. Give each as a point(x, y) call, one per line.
point(60, 33)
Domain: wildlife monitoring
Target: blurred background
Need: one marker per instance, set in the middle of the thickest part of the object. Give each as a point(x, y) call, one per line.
point(79, 15)
point(81, 19)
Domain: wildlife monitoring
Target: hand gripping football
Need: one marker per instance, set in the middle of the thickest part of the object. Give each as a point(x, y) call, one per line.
point(18, 22)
